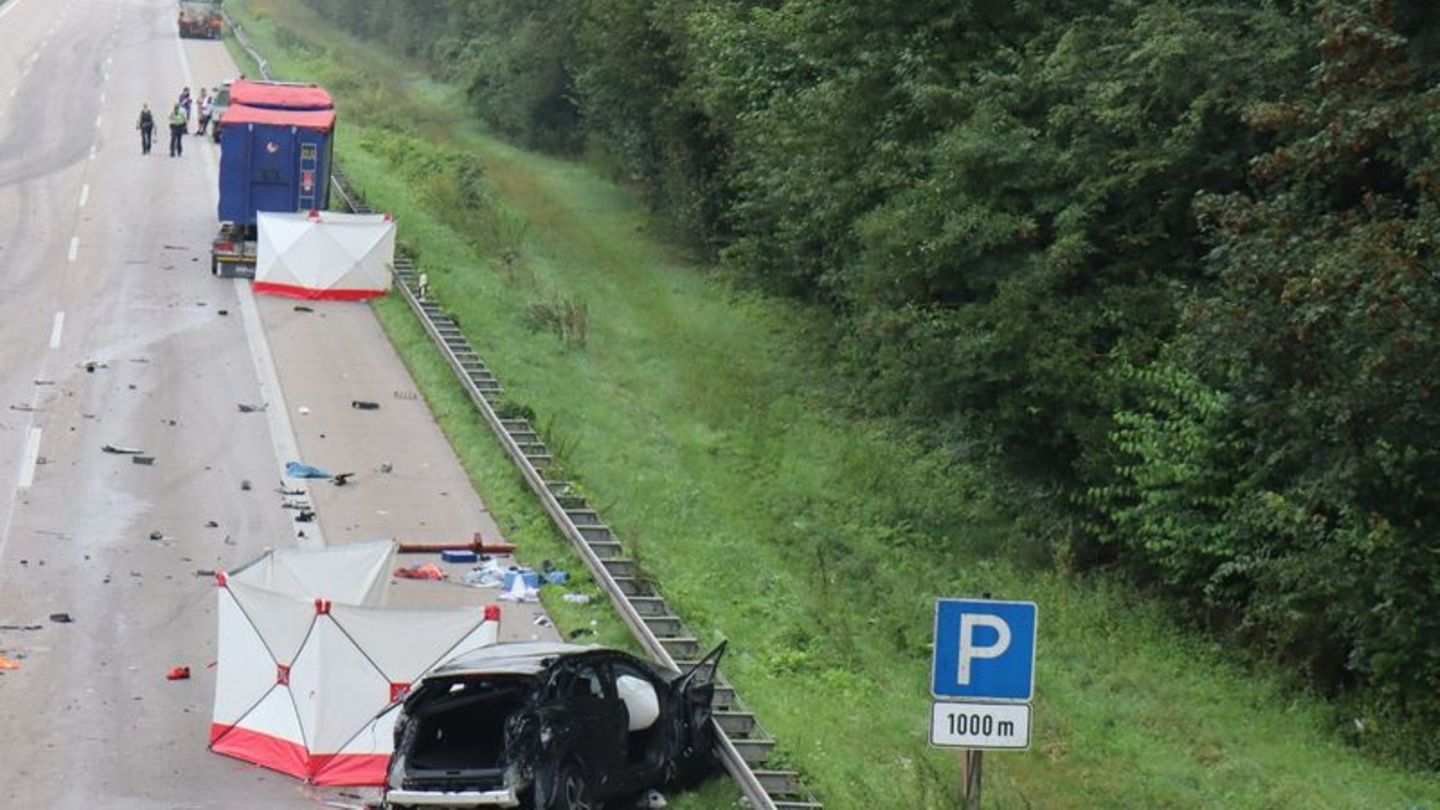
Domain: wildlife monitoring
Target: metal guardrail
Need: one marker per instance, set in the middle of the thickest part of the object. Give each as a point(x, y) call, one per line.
point(744, 744)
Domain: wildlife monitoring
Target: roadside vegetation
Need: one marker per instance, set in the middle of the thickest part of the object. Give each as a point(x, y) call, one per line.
point(784, 492)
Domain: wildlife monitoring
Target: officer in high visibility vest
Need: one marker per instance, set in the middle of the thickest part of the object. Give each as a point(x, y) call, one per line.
point(177, 130)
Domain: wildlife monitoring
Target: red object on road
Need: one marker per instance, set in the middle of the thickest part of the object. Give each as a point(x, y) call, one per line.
point(178, 674)
point(478, 545)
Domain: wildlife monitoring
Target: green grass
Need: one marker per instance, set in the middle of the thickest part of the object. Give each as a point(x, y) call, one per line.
point(704, 423)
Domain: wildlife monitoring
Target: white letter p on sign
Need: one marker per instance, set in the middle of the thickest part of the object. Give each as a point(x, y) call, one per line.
point(970, 651)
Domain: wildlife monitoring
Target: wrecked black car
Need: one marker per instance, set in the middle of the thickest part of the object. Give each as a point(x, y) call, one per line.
point(550, 726)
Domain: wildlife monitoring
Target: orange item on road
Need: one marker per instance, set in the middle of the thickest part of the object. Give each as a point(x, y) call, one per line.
point(7, 664)
point(179, 674)
point(427, 571)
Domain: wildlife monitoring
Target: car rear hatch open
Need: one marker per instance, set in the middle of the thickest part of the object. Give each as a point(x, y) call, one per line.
point(452, 739)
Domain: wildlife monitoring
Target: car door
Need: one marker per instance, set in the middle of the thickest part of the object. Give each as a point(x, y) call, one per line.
point(695, 692)
point(581, 706)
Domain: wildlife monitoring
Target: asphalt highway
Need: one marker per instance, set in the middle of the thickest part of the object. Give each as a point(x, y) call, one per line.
point(113, 331)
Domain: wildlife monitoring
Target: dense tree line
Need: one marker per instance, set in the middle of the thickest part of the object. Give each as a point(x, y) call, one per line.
point(1172, 261)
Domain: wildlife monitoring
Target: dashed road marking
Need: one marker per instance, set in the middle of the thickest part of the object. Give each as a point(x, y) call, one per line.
point(57, 330)
point(74, 248)
point(32, 458)
point(84, 194)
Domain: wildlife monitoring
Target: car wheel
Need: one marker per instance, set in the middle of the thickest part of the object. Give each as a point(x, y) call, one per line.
point(572, 789)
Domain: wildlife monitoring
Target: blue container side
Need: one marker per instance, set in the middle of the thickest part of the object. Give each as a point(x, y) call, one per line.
point(265, 167)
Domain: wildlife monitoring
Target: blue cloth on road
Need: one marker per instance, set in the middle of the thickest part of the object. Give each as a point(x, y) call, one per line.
point(296, 469)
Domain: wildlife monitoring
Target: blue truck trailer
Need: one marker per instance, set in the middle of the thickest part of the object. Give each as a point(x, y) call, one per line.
point(271, 159)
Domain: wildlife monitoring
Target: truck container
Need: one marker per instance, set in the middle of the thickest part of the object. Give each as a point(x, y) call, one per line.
point(270, 96)
point(270, 160)
point(280, 95)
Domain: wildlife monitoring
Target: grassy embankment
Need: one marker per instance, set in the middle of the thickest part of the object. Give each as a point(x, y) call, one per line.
point(704, 424)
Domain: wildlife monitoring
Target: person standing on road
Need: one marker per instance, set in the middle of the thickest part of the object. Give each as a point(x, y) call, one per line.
point(184, 102)
point(177, 131)
point(207, 108)
point(146, 125)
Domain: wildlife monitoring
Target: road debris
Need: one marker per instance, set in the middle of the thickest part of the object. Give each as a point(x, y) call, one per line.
point(157, 535)
point(387, 468)
point(304, 411)
point(121, 450)
point(247, 408)
point(521, 588)
point(577, 598)
point(245, 485)
point(143, 460)
point(429, 571)
point(178, 674)
point(6, 665)
point(342, 479)
point(61, 618)
point(364, 405)
point(91, 365)
point(303, 308)
point(296, 469)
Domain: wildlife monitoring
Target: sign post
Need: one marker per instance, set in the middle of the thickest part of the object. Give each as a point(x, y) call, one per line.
point(983, 679)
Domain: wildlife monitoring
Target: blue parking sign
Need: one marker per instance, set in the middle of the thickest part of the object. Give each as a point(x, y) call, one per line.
point(984, 650)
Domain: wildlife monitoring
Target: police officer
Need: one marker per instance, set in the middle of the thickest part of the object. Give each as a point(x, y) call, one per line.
point(177, 131)
point(146, 124)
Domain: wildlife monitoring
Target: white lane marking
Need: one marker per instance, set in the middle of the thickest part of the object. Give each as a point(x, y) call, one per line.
point(282, 431)
point(97, 122)
point(9, 7)
point(102, 96)
point(74, 248)
point(92, 152)
point(84, 194)
point(32, 457)
point(6, 9)
point(57, 330)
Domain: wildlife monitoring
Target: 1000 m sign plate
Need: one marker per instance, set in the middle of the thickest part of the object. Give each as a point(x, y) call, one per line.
point(1003, 726)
